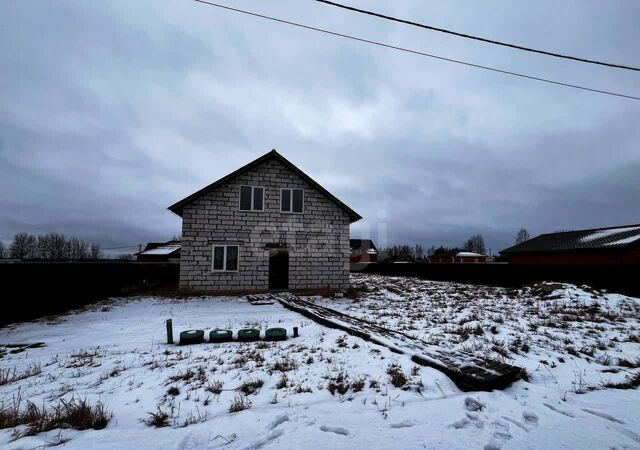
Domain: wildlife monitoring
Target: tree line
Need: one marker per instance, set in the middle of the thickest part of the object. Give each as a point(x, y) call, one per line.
point(474, 244)
point(50, 246)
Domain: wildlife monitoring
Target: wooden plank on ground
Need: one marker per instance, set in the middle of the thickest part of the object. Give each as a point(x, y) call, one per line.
point(469, 372)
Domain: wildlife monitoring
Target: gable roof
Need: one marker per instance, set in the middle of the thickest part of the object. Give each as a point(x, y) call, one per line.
point(362, 243)
point(596, 238)
point(273, 154)
point(160, 248)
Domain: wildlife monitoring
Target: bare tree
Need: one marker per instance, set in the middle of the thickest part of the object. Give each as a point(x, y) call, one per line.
point(96, 253)
point(522, 236)
point(419, 252)
point(78, 249)
point(1, 250)
point(475, 244)
point(52, 246)
point(24, 246)
point(398, 251)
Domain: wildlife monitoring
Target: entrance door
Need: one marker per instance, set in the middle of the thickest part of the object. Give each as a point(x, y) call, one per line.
point(279, 270)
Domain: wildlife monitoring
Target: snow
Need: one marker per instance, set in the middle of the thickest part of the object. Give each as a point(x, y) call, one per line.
point(115, 352)
point(624, 241)
point(165, 250)
point(608, 232)
point(469, 255)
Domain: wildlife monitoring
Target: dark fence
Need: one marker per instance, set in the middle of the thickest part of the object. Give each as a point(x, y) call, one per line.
point(36, 289)
point(615, 278)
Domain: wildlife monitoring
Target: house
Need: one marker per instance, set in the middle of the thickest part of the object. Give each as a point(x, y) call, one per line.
point(613, 245)
point(470, 257)
point(160, 252)
point(267, 225)
point(362, 251)
point(456, 256)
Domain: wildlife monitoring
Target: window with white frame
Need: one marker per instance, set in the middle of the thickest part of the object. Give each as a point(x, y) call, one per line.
point(291, 200)
point(224, 258)
point(251, 198)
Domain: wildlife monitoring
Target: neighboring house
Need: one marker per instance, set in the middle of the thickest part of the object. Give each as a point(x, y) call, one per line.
point(267, 225)
point(613, 245)
point(363, 250)
point(160, 252)
point(457, 257)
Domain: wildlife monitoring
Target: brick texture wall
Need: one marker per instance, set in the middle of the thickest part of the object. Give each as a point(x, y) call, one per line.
point(317, 240)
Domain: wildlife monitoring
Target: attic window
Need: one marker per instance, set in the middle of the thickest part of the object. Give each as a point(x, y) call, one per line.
point(292, 200)
point(251, 198)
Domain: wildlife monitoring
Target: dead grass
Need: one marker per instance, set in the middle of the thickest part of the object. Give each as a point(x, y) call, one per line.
point(283, 382)
point(285, 364)
point(341, 383)
point(630, 382)
point(158, 419)
point(251, 387)
point(11, 375)
point(338, 383)
point(239, 403)
point(396, 376)
point(215, 387)
point(173, 391)
point(75, 413)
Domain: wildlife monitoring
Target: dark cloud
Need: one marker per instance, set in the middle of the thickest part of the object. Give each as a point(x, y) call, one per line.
point(112, 111)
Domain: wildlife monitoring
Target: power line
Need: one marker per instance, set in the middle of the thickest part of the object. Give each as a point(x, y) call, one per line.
point(477, 38)
point(416, 52)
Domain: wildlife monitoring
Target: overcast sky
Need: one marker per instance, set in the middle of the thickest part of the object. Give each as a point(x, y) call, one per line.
point(110, 111)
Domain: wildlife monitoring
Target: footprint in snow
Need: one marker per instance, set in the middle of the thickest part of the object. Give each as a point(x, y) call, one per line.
point(264, 441)
point(516, 423)
point(279, 420)
point(500, 435)
point(603, 415)
point(630, 434)
point(530, 417)
point(559, 411)
point(471, 404)
point(403, 424)
point(336, 430)
point(466, 421)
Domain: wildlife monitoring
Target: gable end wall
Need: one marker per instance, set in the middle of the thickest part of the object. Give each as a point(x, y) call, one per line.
point(317, 240)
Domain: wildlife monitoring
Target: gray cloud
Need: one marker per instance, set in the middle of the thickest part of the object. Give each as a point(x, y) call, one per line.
point(112, 111)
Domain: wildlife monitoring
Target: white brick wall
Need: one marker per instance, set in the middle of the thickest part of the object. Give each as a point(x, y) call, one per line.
point(317, 240)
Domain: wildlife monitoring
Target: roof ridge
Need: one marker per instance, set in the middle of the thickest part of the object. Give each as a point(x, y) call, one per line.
point(591, 229)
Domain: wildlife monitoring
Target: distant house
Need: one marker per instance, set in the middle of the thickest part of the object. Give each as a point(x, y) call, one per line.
point(363, 251)
point(456, 256)
point(267, 225)
point(160, 252)
point(613, 245)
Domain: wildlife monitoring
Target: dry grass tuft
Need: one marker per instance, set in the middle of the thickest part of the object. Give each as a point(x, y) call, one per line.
point(76, 413)
point(251, 387)
point(396, 376)
point(239, 403)
point(158, 419)
point(11, 375)
point(215, 387)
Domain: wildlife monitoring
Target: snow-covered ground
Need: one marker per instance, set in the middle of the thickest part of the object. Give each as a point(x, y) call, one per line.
point(329, 390)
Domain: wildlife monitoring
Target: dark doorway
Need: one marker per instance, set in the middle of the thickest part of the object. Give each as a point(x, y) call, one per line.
point(279, 270)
